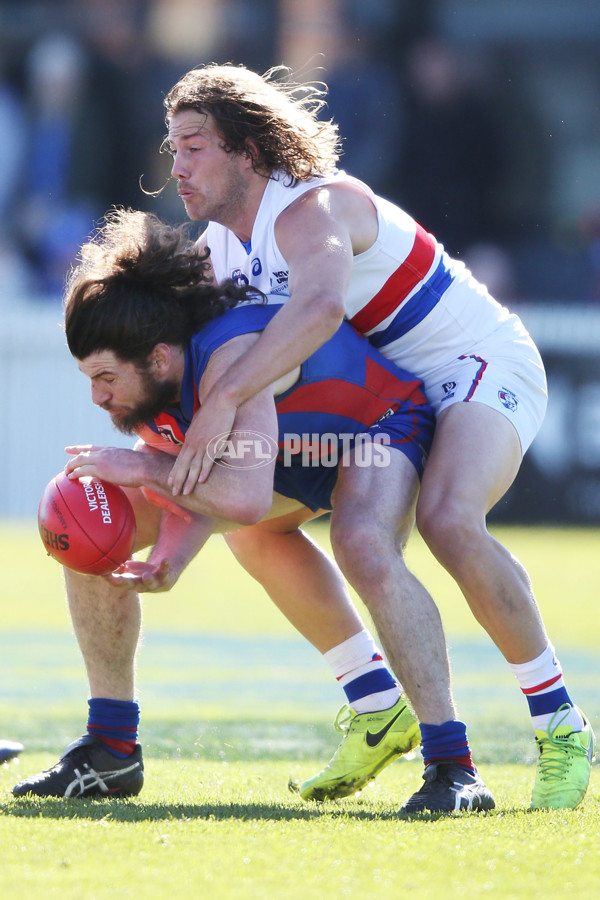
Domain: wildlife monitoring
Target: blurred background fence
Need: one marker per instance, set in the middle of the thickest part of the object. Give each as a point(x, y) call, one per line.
point(482, 119)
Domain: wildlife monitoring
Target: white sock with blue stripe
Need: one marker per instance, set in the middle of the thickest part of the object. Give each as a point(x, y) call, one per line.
point(362, 672)
point(541, 680)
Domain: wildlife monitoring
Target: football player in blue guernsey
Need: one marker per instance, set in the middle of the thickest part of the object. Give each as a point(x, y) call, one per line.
point(344, 390)
point(253, 159)
point(152, 336)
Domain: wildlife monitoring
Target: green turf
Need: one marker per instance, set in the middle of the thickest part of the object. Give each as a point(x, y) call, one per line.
point(234, 831)
point(234, 703)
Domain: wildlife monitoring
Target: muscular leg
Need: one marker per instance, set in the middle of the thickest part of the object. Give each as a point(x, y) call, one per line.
point(299, 577)
point(475, 457)
point(107, 760)
point(107, 619)
point(311, 592)
point(373, 514)
point(367, 542)
point(371, 521)
point(107, 624)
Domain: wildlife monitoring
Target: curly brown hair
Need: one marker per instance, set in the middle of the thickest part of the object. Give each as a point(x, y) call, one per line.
point(139, 282)
point(279, 116)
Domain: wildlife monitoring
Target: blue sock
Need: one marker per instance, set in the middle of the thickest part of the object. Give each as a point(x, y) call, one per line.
point(446, 742)
point(116, 723)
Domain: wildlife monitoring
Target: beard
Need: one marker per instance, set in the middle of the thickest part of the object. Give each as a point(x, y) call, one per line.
point(156, 397)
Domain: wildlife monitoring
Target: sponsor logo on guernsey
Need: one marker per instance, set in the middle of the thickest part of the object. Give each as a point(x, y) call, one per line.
point(389, 412)
point(167, 432)
point(238, 276)
point(279, 282)
point(508, 399)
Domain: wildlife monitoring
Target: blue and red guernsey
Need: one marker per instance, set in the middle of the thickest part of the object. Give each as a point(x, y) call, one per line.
point(345, 389)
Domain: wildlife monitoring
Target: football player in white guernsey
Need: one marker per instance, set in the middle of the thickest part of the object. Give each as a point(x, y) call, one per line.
point(251, 157)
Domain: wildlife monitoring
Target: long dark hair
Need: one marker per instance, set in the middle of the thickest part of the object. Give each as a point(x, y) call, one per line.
point(139, 282)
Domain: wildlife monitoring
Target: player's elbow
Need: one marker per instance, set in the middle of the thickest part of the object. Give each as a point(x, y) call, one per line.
point(331, 310)
point(254, 507)
point(249, 515)
point(246, 507)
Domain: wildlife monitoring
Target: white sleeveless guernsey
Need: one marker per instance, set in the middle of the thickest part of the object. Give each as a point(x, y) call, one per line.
point(417, 305)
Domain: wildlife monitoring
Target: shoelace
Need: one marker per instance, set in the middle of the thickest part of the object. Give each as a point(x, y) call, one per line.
point(556, 752)
point(343, 719)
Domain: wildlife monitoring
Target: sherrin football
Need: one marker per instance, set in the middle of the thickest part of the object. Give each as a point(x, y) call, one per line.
point(87, 525)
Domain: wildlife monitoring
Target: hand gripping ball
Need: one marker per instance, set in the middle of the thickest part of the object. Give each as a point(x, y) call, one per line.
point(87, 525)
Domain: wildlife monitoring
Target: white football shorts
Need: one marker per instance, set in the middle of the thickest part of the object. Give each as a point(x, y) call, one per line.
point(469, 348)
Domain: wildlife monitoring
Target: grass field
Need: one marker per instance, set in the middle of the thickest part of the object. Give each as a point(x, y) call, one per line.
point(234, 703)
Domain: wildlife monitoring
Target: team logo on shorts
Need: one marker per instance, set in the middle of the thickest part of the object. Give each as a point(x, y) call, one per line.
point(448, 388)
point(508, 399)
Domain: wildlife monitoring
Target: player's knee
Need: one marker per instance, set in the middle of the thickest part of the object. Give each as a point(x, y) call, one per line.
point(448, 527)
point(363, 552)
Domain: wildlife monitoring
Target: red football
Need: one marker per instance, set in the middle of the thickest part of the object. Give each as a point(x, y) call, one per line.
point(87, 525)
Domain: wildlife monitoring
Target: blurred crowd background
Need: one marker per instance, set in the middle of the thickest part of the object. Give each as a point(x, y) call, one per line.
point(482, 119)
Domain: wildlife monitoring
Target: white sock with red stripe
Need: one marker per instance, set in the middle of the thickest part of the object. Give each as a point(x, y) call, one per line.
point(362, 672)
point(541, 680)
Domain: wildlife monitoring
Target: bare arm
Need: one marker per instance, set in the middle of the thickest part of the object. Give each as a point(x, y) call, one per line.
point(318, 236)
point(178, 542)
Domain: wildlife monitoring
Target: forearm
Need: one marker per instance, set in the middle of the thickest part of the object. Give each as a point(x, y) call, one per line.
point(314, 239)
point(179, 541)
point(232, 494)
point(296, 332)
point(240, 492)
